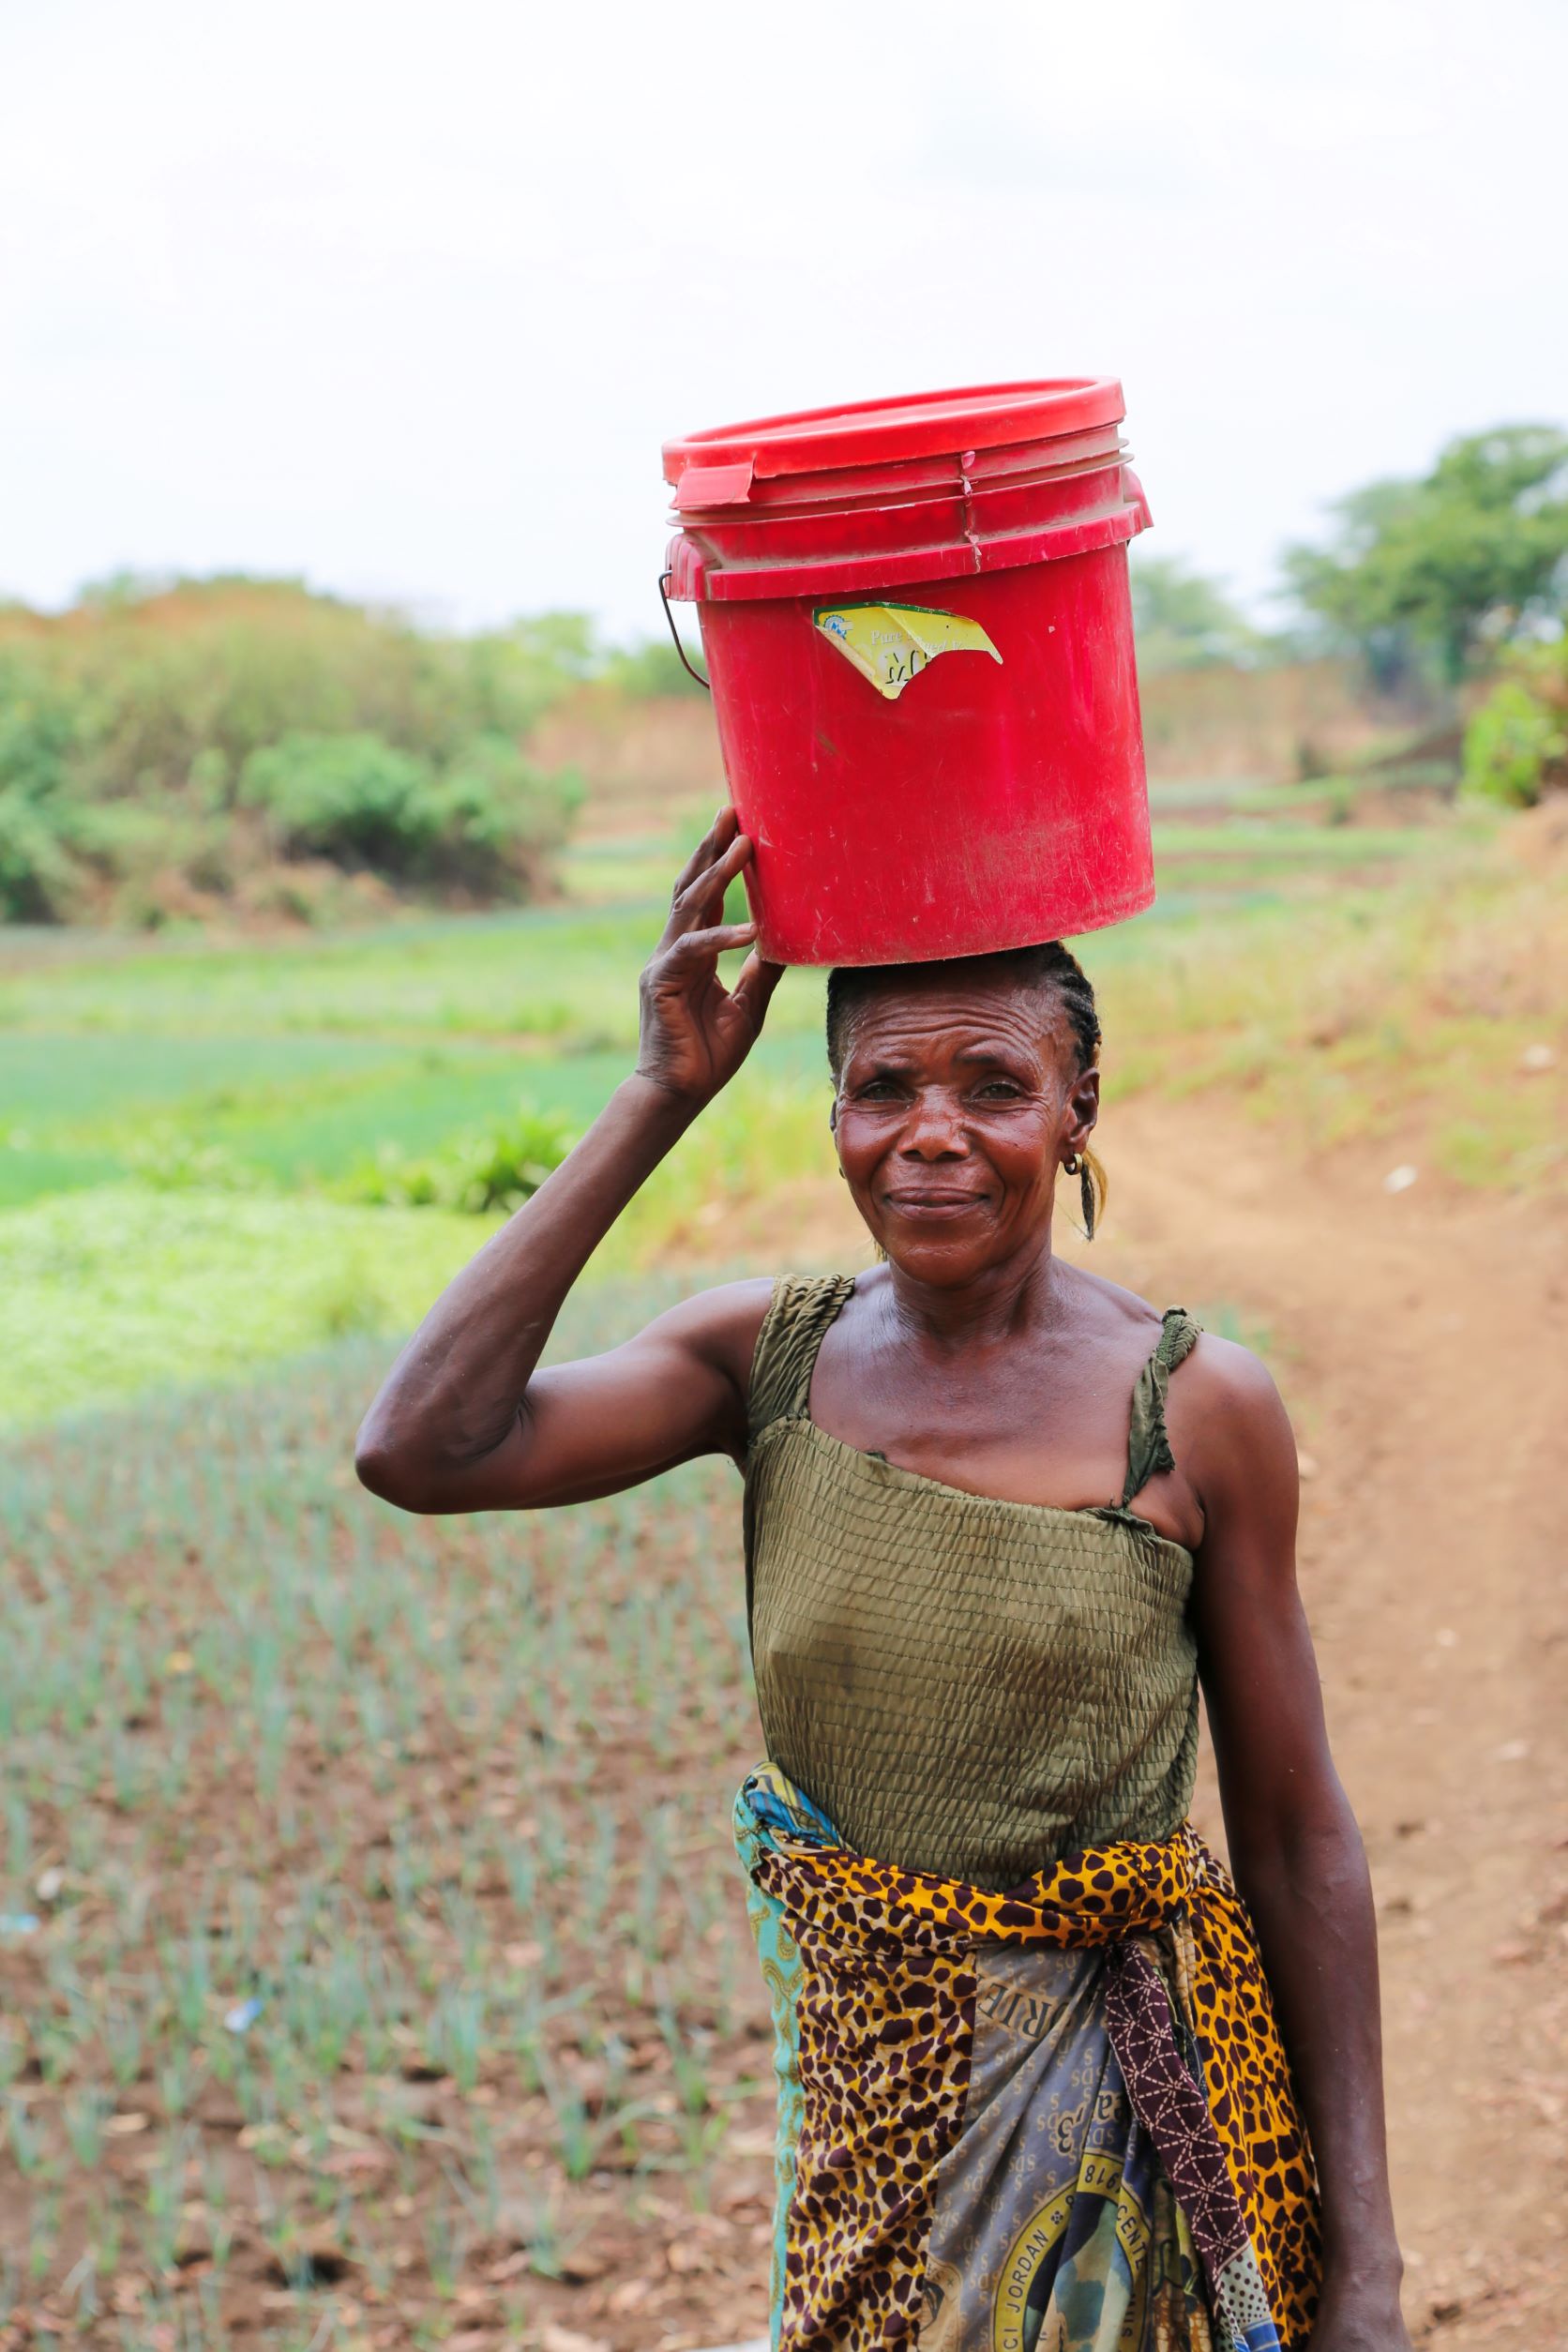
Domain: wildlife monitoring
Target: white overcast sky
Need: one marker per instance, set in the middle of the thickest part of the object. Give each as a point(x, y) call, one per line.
point(405, 298)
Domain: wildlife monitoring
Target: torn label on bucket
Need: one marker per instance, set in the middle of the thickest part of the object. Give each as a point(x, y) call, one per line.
point(892, 643)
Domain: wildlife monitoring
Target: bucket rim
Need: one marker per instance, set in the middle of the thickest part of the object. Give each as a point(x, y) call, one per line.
point(911, 425)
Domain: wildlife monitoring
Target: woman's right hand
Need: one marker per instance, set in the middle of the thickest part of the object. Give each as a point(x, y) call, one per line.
point(695, 1032)
point(465, 1420)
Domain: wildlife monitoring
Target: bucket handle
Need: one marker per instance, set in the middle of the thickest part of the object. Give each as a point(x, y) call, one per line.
point(664, 579)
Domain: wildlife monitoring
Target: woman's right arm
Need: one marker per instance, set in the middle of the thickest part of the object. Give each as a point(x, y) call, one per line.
point(464, 1421)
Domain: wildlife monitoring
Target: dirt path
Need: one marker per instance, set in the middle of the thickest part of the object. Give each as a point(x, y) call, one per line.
point(1418, 1337)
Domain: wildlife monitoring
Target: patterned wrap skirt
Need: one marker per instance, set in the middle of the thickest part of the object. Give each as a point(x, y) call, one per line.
point(1058, 2120)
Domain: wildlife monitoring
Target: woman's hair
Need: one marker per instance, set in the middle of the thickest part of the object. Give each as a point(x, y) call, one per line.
point(1053, 970)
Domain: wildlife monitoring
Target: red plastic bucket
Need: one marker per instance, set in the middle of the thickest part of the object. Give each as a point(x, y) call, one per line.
point(919, 637)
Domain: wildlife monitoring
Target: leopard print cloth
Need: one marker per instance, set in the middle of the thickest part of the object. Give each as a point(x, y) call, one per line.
point(982, 2148)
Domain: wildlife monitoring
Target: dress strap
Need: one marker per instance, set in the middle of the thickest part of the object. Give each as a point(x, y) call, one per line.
point(793, 1330)
point(1148, 1446)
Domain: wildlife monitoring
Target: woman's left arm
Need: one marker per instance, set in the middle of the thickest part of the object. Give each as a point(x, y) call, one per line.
point(1296, 1853)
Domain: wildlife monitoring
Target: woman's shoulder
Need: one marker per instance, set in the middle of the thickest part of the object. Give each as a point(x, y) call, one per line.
point(1227, 1376)
point(744, 1324)
point(1220, 1420)
point(1113, 1311)
point(1222, 1375)
point(721, 1324)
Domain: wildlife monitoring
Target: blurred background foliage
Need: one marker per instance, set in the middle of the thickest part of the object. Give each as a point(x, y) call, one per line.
point(169, 748)
point(1516, 743)
point(1183, 621)
point(1433, 575)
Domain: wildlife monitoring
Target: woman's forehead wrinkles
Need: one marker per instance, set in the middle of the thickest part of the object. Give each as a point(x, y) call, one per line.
point(961, 1026)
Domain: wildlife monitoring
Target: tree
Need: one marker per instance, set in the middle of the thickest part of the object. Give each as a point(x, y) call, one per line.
point(1473, 553)
point(1183, 621)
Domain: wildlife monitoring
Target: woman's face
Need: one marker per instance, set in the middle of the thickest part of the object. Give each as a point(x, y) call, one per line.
point(959, 1099)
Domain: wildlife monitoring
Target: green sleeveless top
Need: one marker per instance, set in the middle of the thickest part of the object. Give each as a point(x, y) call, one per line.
point(966, 1686)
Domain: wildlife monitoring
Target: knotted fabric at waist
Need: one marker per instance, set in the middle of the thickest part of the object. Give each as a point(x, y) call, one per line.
point(921, 2027)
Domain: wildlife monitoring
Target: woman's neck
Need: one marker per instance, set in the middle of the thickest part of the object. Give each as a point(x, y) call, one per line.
point(993, 1306)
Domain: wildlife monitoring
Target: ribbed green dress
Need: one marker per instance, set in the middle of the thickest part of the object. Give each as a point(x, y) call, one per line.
point(964, 1685)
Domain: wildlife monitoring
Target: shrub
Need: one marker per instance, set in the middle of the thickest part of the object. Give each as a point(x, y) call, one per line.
point(1513, 744)
point(168, 1159)
point(39, 729)
point(39, 881)
point(483, 826)
point(494, 1169)
point(163, 741)
point(174, 674)
point(134, 841)
point(500, 816)
point(354, 799)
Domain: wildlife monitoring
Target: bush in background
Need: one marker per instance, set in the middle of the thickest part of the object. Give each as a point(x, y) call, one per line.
point(159, 745)
point(1517, 744)
point(650, 673)
point(39, 881)
point(38, 727)
point(354, 799)
point(495, 1169)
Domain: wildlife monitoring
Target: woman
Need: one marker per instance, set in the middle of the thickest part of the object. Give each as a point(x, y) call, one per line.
point(1033, 2091)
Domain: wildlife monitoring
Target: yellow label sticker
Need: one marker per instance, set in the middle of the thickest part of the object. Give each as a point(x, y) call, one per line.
point(892, 643)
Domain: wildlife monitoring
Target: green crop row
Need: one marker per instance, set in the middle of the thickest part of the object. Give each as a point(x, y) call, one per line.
point(367, 1911)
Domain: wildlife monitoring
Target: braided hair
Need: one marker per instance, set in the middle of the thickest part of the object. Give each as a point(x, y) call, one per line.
point(1050, 969)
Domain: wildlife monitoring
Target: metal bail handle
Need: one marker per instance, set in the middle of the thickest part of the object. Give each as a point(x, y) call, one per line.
point(664, 579)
